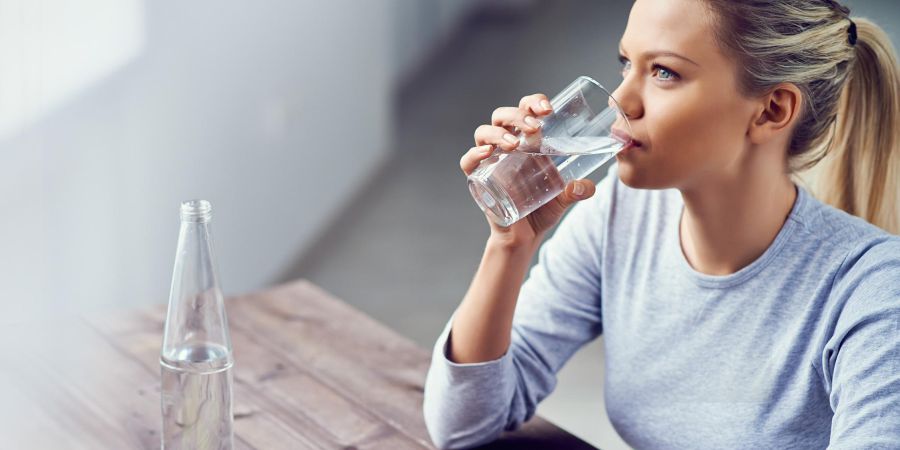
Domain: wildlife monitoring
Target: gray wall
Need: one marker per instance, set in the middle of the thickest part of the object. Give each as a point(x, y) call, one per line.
point(885, 13)
point(113, 111)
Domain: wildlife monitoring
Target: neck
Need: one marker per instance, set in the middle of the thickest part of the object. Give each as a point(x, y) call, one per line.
point(729, 221)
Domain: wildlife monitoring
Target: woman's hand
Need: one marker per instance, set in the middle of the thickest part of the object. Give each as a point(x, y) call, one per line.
point(506, 122)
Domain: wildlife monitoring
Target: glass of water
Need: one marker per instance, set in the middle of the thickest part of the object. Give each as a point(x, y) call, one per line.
point(585, 129)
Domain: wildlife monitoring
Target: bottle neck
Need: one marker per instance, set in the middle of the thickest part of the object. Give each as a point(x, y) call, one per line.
point(196, 211)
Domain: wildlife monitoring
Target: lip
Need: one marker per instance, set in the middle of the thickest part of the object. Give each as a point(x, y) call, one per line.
point(623, 136)
point(630, 145)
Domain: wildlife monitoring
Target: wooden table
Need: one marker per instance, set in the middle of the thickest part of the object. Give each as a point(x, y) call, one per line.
point(310, 372)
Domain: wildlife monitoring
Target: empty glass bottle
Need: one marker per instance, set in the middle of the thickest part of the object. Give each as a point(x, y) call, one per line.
point(196, 354)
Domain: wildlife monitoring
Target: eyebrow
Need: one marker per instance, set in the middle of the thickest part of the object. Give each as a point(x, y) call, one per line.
point(658, 53)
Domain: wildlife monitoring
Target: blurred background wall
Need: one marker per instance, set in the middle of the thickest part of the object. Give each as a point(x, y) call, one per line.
point(326, 134)
point(112, 111)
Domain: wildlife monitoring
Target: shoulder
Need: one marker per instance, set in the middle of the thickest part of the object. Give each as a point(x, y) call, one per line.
point(863, 247)
point(871, 270)
point(833, 235)
point(867, 278)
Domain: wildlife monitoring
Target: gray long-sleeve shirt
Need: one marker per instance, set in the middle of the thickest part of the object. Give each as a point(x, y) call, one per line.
point(799, 349)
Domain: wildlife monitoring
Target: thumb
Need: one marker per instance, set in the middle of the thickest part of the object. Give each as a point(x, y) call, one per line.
point(574, 192)
point(577, 191)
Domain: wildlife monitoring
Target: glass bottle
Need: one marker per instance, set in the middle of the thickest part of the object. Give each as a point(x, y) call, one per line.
point(196, 355)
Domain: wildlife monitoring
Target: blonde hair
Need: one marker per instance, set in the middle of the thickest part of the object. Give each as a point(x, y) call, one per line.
point(846, 145)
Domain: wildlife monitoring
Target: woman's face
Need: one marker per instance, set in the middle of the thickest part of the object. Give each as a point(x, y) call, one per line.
point(680, 93)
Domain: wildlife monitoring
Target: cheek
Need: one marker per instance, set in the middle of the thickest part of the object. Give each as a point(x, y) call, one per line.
point(699, 132)
point(690, 133)
point(694, 126)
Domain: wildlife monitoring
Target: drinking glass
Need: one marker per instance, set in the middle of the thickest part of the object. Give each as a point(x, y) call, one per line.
point(585, 129)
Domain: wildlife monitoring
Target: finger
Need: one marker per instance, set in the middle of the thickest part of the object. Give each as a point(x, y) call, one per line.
point(499, 136)
point(472, 158)
point(537, 104)
point(510, 117)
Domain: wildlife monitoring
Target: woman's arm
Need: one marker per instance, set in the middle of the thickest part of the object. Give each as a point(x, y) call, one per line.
point(483, 322)
point(862, 358)
point(498, 356)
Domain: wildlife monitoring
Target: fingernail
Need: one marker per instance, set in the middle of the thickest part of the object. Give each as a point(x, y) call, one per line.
point(546, 105)
point(510, 138)
point(578, 189)
point(532, 122)
point(486, 149)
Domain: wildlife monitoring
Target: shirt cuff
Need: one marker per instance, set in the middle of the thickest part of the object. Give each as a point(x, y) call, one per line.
point(485, 371)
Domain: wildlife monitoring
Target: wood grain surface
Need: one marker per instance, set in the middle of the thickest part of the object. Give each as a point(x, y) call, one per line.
point(310, 372)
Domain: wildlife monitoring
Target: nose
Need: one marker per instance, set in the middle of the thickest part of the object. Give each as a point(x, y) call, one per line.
point(629, 100)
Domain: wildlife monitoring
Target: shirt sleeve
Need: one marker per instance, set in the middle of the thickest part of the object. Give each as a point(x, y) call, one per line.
point(557, 312)
point(863, 354)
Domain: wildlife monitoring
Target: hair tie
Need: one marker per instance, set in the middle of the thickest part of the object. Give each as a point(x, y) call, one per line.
point(851, 32)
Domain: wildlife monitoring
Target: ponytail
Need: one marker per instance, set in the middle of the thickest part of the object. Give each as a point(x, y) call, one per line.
point(860, 170)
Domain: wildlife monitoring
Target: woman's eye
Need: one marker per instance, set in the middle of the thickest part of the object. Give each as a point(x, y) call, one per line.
point(665, 74)
point(661, 73)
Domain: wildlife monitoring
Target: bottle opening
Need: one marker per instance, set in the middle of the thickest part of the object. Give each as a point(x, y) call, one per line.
point(196, 211)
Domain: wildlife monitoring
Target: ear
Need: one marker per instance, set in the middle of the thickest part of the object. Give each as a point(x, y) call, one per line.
point(777, 113)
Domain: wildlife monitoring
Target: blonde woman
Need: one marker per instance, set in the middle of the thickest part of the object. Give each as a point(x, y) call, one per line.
point(739, 307)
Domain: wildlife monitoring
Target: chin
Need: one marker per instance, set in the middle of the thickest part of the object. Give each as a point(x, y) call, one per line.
point(640, 177)
point(630, 175)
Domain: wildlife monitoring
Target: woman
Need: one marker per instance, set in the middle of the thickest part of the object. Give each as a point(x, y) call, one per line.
point(738, 310)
